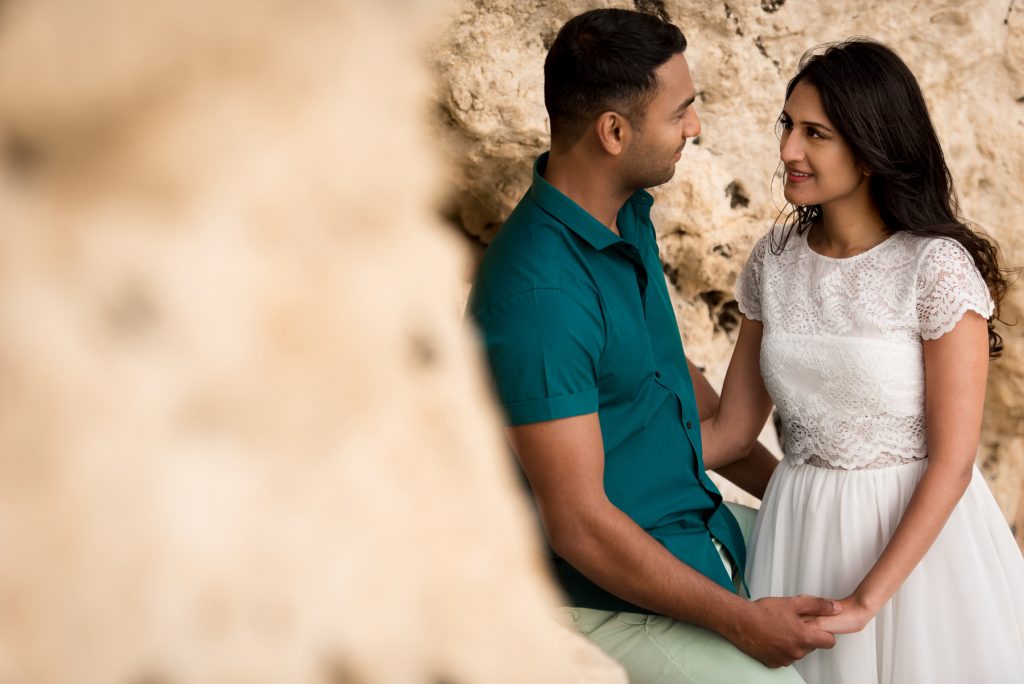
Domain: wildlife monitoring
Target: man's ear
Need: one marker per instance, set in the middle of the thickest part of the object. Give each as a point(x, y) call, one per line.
point(613, 132)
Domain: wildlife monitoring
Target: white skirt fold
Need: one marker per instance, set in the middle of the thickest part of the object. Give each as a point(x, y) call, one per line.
point(957, 619)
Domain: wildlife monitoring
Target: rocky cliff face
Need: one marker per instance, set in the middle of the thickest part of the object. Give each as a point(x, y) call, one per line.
point(244, 435)
point(968, 57)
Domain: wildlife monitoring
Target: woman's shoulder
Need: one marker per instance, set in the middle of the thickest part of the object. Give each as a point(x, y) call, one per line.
point(777, 241)
point(931, 251)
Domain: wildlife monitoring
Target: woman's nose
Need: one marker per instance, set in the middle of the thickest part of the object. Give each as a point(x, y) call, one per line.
point(790, 149)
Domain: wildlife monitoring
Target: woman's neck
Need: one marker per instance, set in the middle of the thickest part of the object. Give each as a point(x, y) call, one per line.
point(848, 228)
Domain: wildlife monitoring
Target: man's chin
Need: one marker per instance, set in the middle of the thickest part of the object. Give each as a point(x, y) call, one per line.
point(665, 177)
point(651, 178)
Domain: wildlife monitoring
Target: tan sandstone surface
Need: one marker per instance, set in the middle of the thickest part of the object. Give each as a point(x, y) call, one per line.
point(244, 435)
point(969, 59)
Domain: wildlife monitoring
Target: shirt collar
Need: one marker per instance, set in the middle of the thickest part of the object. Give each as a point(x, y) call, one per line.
point(575, 217)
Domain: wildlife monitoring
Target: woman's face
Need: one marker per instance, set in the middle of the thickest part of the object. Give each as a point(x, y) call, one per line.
point(820, 167)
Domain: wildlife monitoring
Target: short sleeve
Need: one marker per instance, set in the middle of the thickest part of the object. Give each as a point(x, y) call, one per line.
point(748, 284)
point(948, 286)
point(544, 348)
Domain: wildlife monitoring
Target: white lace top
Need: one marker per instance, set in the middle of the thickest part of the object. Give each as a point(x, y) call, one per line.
point(841, 353)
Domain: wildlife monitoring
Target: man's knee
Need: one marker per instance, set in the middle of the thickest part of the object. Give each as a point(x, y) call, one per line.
point(658, 650)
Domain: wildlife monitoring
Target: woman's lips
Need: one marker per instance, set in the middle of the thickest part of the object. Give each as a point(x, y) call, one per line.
point(797, 177)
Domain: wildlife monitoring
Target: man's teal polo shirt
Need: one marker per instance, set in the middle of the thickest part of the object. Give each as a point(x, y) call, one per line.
point(577, 320)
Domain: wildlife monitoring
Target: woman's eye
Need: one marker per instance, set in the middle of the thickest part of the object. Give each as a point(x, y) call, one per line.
point(782, 124)
point(814, 133)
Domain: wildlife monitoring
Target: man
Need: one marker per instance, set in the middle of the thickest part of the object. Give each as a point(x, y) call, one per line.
point(589, 365)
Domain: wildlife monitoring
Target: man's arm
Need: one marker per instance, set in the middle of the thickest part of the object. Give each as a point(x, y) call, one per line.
point(564, 462)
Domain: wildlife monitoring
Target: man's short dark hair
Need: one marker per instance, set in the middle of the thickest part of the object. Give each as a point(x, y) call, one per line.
point(605, 60)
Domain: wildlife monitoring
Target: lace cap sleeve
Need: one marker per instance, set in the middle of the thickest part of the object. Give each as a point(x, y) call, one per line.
point(748, 284)
point(948, 285)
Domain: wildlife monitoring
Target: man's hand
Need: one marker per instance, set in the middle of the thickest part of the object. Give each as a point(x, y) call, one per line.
point(779, 631)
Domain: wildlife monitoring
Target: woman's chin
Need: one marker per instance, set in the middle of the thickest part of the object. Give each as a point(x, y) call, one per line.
point(795, 198)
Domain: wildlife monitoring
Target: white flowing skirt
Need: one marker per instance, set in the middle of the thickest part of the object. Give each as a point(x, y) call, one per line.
point(957, 619)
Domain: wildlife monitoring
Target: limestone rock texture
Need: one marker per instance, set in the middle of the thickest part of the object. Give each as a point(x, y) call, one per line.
point(968, 57)
point(245, 436)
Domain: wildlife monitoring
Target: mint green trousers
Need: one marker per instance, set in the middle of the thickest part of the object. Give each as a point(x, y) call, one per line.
point(659, 650)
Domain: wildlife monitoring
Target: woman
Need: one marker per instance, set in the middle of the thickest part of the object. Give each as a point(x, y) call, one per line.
point(867, 320)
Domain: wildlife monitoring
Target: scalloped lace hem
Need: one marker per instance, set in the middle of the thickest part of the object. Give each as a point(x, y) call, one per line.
point(749, 314)
point(877, 464)
point(936, 333)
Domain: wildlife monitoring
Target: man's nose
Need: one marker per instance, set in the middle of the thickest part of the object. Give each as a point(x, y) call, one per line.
point(692, 128)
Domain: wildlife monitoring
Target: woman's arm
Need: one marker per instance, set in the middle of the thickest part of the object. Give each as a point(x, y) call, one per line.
point(730, 431)
point(956, 367)
point(751, 471)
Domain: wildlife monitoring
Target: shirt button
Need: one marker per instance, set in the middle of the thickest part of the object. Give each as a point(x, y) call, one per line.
point(689, 425)
point(657, 374)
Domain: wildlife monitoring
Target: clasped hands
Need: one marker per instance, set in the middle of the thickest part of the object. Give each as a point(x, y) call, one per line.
point(785, 629)
point(853, 616)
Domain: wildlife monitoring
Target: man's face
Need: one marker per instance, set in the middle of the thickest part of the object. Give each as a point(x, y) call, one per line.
point(668, 121)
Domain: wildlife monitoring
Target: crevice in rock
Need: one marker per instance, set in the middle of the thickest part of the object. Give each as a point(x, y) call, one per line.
point(771, 6)
point(735, 20)
point(672, 273)
point(722, 250)
point(725, 312)
point(737, 195)
point(547, 38)
point(445, 117)
point(655, 7)
point(761, 48)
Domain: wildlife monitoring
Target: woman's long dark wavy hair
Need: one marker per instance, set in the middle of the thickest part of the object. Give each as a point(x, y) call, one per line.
point(876, 104)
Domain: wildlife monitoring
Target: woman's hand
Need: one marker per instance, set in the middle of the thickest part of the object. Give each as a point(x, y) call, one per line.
point(853, 617)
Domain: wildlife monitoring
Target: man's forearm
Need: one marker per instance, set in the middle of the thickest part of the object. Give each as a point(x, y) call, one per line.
point(615, 553)
point(564, 462)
